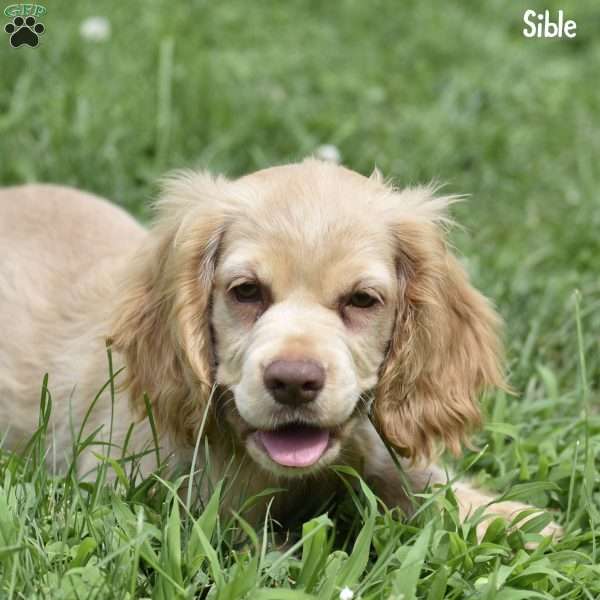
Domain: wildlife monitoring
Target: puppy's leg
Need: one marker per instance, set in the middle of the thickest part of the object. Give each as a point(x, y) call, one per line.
point(393, 485)
point(390, 485)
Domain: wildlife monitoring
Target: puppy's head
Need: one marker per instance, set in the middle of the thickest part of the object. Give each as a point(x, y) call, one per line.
point(306, 293)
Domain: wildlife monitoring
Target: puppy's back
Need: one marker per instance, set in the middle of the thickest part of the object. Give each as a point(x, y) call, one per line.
point(56, 220)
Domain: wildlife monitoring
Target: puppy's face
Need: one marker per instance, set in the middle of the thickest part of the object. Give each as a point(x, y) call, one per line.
point(306, 292)
point(304, 301)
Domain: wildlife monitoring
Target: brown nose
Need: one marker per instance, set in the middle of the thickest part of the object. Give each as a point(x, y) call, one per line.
point(294, 382)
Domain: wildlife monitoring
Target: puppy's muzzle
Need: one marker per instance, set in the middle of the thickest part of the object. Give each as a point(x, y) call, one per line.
point(294, 382)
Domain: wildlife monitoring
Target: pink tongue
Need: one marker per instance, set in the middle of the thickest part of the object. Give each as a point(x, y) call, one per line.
point(297, 446)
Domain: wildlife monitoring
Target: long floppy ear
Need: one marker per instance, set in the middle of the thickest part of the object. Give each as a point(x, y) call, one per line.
point(445, 346)
point(162, 327)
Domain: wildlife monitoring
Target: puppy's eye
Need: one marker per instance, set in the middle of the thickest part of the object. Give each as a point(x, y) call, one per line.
point(362, 300)
point(247, 292)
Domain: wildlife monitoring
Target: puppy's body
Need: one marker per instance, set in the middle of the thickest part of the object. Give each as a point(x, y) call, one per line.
point(77, 272)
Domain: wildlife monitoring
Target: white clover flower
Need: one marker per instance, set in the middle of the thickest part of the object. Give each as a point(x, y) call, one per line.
point(346, 593)
point(95, 29)
point(330, 153)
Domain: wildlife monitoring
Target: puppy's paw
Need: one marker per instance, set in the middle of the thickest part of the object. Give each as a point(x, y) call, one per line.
point(553, 530)
point(470, 499)
point(509, 510)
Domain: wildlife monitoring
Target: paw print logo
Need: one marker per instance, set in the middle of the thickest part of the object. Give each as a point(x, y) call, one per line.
point(24, 31)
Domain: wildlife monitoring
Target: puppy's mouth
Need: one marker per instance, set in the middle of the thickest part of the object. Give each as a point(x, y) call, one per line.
point(295, 445)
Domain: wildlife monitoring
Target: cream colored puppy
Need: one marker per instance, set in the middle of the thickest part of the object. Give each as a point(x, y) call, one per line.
point(278, 310)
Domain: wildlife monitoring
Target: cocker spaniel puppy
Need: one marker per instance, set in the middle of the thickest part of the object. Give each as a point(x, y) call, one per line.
point(287, 316)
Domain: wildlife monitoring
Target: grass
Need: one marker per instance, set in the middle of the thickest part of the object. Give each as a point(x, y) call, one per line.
point(424, 90)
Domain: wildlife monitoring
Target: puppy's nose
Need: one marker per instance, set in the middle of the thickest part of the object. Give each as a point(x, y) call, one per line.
point(294, 382)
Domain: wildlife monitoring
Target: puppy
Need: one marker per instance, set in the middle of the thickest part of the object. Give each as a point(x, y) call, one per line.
point(279, 315)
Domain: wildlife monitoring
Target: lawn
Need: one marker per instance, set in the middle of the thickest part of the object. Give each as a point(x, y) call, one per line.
point(423, 90)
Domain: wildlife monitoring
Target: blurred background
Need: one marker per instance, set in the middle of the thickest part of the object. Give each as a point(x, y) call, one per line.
point(118, 93)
